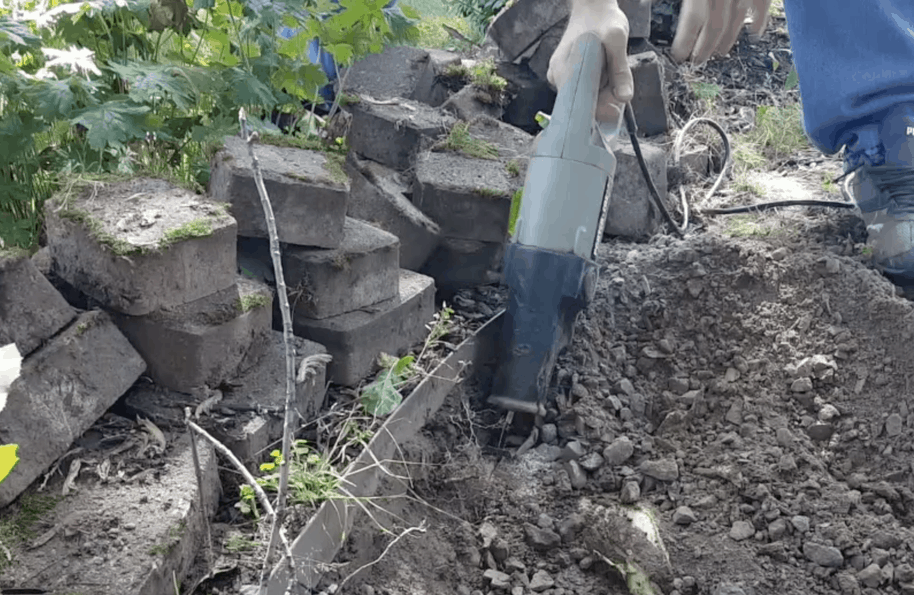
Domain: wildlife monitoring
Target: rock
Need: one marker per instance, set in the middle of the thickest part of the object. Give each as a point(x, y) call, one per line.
point(631, 492)
point(871, 576)
point(497, 579)
point(546, 45)
point(741, 530)
point(395, 72)
point(661, 469)
point(541, 581)
point(541, 539)
point(625, 387)
point(591, 462)
point(632, 214)
point(684, 516)
point(784, 437)
point(519, 27)
point(549, 433)
point(570, 526)
point(143, 244)
point(471, 102)
point(777, 529)
point(728, 589)
point(893, 425)
point(801, 385)
point(848, 584)
point(800, 523)
point(429, 88)
point(31, 309)
point(63, 388)
point(904, 573)
point(377, 196)
point(735, 413)
point(823, 555)
point(649, 103)
point(820, 432)
point(573, 450)
point(488, 533)
point(828, 412)
point(577, 475)
point(308, 191)
point(619, 451)
point(499, 550)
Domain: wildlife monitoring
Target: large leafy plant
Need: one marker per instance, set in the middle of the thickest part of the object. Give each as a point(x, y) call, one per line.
point(86, 86)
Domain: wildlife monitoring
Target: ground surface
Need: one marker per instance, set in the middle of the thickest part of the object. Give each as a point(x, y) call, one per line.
point(758, 369)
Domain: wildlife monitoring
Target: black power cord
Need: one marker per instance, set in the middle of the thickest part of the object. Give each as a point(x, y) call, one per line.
point(680, 230)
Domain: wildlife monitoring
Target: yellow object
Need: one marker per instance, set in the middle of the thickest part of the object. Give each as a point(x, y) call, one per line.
point(8, 459)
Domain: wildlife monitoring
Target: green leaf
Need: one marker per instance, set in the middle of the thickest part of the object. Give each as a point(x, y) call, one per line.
point(51, 99)
point(793, 79)
point(410, 12)
point(246, 89)
point(112, 124)
point(381, 396)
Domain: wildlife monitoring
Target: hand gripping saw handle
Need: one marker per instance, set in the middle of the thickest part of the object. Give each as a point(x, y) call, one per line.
point(549, 267)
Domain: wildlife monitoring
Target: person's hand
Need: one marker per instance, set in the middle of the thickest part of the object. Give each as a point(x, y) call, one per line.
point(609, 23)
point(710, 27)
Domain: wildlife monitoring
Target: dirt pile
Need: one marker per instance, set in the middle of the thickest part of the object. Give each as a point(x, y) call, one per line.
point(752, 391)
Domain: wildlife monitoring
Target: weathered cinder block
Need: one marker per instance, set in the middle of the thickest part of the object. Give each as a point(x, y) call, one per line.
point(519, 27)
point(362, 272)
point(308, 191)
point(539, 61)
point(249, 415)
point(31, 309)
point(377, 195)
point(649, 104)
point(693, 166)
point(528, 94)
point(512, 143)
point(470, 102)
point(355, 340)
point(468, 198)
point(457, 264)
point(429, 88)
point(392, 134)
point(632, 213)
point(148, 529)
point(142, 244)
point(204, 342)
point(638, 13)
point(64, 387)
point(393, 73)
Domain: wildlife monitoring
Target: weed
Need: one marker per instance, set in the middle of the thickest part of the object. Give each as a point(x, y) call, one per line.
point(490, 193)
point(779, 130)
point(341, 261)
point(334, 166)
point(81, 328)
point(18, 528)
point(513, 168)
point(515, 211)
point(747, 226)
point(867, 250)
point(828, 184)
point(483, 76)
point(238, 543)
point(707, 93)
point(458, 71)
point(175, 532)
point(460, 140)
point(253, 301)
point(198, 228)
point(743, 184)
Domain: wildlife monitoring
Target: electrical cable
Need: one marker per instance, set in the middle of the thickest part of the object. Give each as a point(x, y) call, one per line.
point(680, 230)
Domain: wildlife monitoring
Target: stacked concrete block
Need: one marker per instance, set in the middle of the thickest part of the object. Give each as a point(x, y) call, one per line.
point(162, 260)
point(335, 267)
point(632, 213)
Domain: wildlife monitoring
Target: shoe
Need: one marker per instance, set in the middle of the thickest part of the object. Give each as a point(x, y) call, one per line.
point(881, 157)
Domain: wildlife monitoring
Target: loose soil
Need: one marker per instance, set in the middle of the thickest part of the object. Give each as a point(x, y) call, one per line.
point(759, 370)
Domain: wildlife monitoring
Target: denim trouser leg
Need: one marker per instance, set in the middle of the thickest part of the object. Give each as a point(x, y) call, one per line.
point(855, 60)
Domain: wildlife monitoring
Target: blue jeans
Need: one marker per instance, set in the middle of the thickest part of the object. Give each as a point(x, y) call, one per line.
point(855, 61)
point(317, 55)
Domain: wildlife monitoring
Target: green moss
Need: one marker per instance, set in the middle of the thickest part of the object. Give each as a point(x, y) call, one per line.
point(513, 168)
point(253, 301)
point(490, 193)
point(484, 77)
point(13, 252)
point(341, 262)
point(107, 241)
point(334, 166)
point(198, 228)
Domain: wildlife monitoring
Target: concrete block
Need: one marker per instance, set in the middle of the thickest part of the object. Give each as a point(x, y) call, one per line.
point(694, 165)
point(135, 535)
point(393, 73)
point(31, 309)
point(638, 13)
point(458, 264)
point(142, 244)
point(519, 27)
point(471, 102)
point(392, 134)
point(512, 143)
point(539, 60)
point(429, 88)
point(308, 191)
point(362, 272)
point(529, 94)
point(63, 389)
point(632, 213)
point(377, 195)
point(356, 339)
point(249, 417)
point(469, 198)
point(204, 342)
point(649, 103)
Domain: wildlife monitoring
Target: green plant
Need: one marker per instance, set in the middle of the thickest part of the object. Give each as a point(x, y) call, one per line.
point(479, 13)
point(101, 86)
point(239, 543)
point(460, 140)
point(515, 211)
point(779, 131)
point(253, 301)
point(198, 228)
point(484, 76)
point(490, 193)
point(19, 527)
point(747, 226)
point(513, 168)
point(707, 93)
